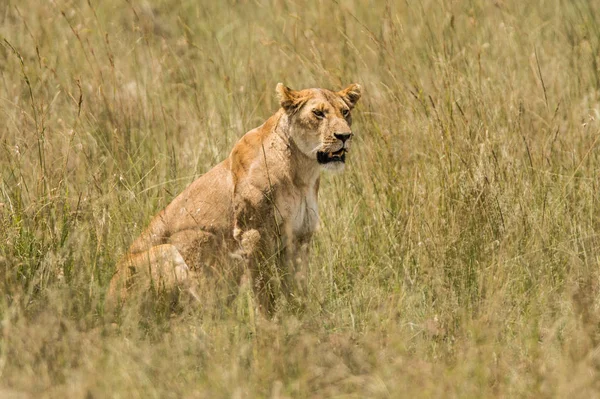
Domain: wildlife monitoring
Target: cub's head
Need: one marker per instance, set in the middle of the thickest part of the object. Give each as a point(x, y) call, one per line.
point(319, 122)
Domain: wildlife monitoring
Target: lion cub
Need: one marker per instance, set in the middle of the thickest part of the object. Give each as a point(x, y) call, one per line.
point(259, 203)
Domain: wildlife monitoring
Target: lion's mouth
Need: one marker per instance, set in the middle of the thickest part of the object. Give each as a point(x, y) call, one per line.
point(336, 156)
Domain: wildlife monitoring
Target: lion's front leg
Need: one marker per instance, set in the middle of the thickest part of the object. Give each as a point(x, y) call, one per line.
point(252, 230)
point(254, 252)
point(250, 218)
point(294, 265)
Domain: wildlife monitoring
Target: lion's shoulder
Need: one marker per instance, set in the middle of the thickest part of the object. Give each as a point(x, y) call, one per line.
point(250, 147)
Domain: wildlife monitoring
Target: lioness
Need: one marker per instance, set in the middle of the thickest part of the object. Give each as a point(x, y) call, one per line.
point(259, 202)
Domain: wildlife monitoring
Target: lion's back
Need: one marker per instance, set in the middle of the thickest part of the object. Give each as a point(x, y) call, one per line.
point(205, 205)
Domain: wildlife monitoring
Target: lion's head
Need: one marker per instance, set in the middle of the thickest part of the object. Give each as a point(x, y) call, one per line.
point(319, 122)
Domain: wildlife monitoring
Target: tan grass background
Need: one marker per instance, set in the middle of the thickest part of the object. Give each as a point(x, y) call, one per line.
point(458, 254)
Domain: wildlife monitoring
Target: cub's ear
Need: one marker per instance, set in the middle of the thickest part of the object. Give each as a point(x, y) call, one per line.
point(351, 94)
point(289, 99)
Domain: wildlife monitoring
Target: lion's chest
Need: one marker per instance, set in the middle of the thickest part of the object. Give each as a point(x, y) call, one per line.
point(298, 212)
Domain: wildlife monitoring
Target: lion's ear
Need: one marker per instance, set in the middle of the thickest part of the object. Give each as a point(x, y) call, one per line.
point(289, 99)
point(351, 94)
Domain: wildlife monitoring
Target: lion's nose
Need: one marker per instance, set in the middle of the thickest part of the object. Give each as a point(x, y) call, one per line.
point(342, 136)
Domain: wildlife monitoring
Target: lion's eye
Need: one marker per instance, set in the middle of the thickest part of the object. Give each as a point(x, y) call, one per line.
point(318, 113)
point(345, 112)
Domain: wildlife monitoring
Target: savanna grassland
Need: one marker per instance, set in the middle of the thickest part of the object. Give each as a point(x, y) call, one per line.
point(458, 255)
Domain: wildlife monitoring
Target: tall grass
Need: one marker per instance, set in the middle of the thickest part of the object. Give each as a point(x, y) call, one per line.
point(458, 254)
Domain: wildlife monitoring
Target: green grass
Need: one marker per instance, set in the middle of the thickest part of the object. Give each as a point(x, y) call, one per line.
point(458, 255)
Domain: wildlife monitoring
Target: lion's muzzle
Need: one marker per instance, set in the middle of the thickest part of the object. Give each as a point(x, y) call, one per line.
point(324, 157)
point(336, 156)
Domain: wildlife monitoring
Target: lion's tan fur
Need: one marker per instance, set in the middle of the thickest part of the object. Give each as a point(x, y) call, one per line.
point(262, 196)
